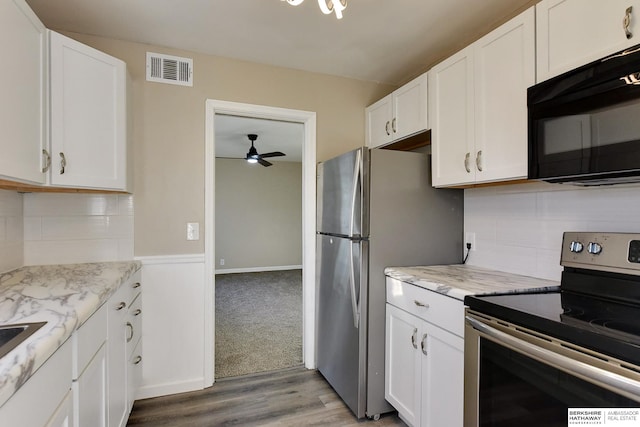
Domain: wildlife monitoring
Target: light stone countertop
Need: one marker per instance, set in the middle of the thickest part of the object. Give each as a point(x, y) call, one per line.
point(64, 296)
point(458, 281)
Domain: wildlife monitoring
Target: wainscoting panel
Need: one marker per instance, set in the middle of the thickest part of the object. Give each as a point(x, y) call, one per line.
point(173, 307)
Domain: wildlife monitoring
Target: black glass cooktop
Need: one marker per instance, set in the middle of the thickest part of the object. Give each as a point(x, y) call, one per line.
point(602, 325)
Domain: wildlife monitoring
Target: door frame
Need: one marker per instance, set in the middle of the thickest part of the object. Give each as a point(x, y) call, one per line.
point(308, 120)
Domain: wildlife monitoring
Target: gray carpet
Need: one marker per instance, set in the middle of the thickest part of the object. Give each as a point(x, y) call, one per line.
point(258, 322)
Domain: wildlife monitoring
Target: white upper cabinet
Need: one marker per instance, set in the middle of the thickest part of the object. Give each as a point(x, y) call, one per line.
point(571, 33)
point(398, 115)
point(23, 88)
point(88, 116)
point(452, 121)
point(504, 64)
point(478, 103)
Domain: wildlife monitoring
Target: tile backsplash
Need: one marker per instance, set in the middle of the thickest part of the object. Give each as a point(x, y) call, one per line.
point(519, 227)
point(11, 230)
point(74, 228)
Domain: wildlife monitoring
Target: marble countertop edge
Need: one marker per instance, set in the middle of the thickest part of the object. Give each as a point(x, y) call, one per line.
point(458, 281)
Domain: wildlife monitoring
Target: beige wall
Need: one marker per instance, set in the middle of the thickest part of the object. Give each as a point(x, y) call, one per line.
point(258, 214)
point(169, 125)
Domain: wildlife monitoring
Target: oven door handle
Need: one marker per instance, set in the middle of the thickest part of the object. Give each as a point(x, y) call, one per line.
point(593, 374)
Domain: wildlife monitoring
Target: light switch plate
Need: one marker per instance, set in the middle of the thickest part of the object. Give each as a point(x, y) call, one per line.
point(193, 231)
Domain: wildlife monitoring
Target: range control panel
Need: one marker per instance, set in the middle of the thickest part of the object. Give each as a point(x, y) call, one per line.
point(618, 252)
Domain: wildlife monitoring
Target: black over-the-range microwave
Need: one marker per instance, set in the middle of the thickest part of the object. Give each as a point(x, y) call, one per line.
point(584, 125)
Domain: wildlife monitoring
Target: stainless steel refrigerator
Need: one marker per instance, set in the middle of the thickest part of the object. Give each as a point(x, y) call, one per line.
point(376, 208)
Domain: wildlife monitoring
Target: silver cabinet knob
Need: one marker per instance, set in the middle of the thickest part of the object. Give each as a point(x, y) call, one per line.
point(466, 162)
point(594, 248)
point(423, 344)
point(121, 305)
point(413, 338)
point(576, 247)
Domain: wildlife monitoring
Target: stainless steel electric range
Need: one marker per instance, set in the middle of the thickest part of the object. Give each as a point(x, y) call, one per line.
point(565, 357)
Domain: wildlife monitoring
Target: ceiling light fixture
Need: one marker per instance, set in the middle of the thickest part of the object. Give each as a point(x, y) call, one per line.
point(326, 6)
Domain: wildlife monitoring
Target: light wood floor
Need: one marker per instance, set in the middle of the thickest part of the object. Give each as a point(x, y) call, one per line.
point(289, 397)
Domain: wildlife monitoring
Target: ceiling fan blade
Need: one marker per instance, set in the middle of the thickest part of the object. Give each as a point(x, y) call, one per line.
point(273, 154)
point(264, 162)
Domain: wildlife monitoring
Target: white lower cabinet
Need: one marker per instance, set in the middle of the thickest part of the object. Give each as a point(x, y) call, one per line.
point(90, 371)
point(424, 359)
point(44, 400)
point(90, 392)
point(63, 417)
point(122, 382)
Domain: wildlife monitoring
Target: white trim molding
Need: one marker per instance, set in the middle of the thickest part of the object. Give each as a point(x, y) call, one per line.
point(258, 269)
point(171, 259)
point(308, 119)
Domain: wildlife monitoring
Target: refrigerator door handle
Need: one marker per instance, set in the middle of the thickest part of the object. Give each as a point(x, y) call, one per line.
point(352, 279)
point(354, 190)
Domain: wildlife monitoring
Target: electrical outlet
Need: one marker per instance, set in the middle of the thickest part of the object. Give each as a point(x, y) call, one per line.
point(221, 261)
point(470, 237)
point(193, 231)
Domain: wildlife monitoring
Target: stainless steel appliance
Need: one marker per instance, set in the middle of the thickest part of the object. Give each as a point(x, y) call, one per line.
point(537, 359)
point(376, 208)
point(583, 125)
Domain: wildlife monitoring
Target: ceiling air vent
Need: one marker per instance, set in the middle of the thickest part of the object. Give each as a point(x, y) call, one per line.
point(169, 69)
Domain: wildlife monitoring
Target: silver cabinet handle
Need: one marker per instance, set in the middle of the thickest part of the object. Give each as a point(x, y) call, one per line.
point(121, 305)
point(558, 361)
point(466, 162)
point(413, 338)
point(47, 160)
point(137, 360)
point(479, 160)
point(393, 125)
point(130, 326)
point(63, 163)
point(137, 312)
point(626, 21)
point(420, 304)
point(386, 128)
point(423, 344)
point(136, 285)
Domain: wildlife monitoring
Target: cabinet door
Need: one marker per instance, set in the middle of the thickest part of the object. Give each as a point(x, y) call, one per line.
point(571, 33)
point(63, 417)
point(378, 122)
point(410, 108)
point(452, 122)
point(442, 377)
point(402, 363)
point(504, 63)
point(117, 355)
point(134, 374)
point(90, 392)
point(88, 116)
point(23, 89)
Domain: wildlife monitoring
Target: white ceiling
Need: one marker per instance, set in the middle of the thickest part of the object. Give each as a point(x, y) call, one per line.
point(232, 141)
point(388, 41)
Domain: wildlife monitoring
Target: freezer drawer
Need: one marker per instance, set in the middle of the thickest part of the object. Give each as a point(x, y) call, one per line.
point(341, 330)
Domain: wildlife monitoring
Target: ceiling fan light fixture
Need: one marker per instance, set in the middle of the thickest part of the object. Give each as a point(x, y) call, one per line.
point(326, 6)
point(252, 160)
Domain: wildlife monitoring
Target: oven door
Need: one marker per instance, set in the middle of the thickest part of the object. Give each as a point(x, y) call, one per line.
point(517, 377)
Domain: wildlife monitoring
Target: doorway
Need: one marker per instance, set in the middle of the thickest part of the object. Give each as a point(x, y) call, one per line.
point(308, 120)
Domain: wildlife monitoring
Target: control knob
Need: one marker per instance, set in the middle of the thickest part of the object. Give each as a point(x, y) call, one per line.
point(576, 247)
point(594, 248)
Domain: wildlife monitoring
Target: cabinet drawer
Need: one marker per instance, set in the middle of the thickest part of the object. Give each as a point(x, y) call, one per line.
point(135, 320)
point(88, 339)
point(440, 310)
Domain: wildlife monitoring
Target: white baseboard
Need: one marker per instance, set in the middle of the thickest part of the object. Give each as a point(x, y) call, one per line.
point(146, 392)
point(258, 269)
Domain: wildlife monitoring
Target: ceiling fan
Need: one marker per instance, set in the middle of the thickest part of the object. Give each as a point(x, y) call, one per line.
point(254, 157)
